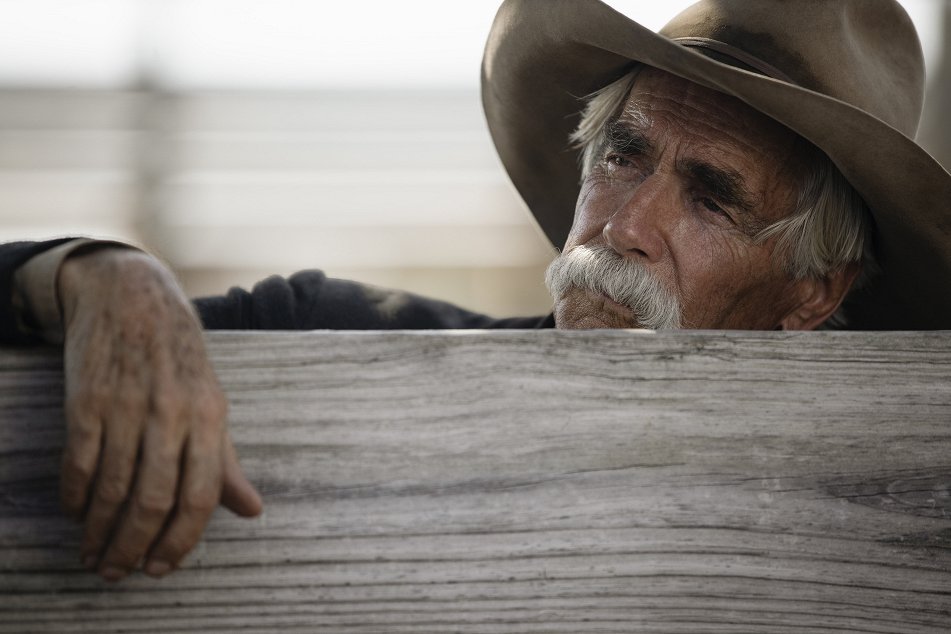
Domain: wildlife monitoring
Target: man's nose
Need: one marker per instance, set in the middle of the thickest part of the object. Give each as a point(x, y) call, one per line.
point(641, 226)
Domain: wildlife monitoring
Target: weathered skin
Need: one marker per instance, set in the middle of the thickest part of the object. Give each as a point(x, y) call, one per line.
point(138, 380)
point(648, 205)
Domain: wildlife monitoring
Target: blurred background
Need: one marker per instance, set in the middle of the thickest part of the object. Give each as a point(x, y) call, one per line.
point(242, 138)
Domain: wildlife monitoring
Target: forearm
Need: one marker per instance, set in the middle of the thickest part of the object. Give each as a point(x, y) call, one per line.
point(309, 300)
point(30, 309)
point(14, 326)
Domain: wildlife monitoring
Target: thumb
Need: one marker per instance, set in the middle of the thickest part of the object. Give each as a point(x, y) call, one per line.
point(238, 495)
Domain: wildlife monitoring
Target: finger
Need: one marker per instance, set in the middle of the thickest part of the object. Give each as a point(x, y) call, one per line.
point(110, 491)
point(80, 457)
point(238, 494)
point(150, 503)
point(198, 497)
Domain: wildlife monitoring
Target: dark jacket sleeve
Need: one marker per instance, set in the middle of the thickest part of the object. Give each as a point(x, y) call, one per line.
point(12, 255)
point(309, 300)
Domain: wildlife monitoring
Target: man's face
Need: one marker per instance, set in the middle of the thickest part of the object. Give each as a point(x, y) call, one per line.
point(688, 178)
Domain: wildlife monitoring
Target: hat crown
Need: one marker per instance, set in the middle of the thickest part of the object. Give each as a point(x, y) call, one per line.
point(863, 52)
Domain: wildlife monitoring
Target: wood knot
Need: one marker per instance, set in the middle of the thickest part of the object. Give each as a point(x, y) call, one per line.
point(924, 493)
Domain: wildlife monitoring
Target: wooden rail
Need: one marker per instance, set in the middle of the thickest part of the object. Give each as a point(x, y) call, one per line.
point(531, 482)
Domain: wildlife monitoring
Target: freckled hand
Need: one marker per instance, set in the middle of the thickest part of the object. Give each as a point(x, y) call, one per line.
point(147, 456)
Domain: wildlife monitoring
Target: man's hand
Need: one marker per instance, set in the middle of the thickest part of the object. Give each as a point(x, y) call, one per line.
point(147, 456)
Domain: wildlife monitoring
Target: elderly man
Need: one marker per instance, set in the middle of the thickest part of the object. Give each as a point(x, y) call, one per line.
point(745, 168)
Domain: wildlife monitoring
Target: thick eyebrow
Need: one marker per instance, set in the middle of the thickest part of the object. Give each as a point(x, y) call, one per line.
point(625, 140)
point(725, 185)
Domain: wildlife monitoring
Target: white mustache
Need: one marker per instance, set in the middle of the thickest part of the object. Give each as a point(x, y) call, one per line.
point(600, 269)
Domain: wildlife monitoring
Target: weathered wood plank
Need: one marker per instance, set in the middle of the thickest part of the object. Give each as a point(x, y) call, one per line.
point(531, 482)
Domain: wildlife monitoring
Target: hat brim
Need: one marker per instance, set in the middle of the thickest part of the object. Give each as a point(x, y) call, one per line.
point(543, 58)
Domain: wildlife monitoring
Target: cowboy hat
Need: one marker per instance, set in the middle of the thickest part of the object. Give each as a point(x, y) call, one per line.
point(847, 75)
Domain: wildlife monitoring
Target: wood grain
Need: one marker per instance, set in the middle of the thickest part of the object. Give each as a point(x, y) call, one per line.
point(531, 482)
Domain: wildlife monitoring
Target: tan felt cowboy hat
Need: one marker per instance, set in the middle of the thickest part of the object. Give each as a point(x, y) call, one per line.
point(845, 74)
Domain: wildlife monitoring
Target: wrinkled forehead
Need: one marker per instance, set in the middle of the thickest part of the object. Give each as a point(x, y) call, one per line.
point(665, 105)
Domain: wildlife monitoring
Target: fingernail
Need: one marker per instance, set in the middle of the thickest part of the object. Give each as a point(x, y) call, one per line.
point(112, 573)
point(157, 568)
point(90, 561)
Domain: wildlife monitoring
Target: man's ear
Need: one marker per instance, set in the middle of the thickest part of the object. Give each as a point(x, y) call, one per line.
point(819, 298)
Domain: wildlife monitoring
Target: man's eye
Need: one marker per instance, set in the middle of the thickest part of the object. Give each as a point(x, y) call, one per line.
point(712, 206)
point(618, 161)
point(624, 168)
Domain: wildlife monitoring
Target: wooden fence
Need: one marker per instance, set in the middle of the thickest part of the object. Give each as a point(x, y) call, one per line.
point(531, 482)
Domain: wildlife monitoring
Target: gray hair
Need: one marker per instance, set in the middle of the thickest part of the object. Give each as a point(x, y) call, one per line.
point(830, 228)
